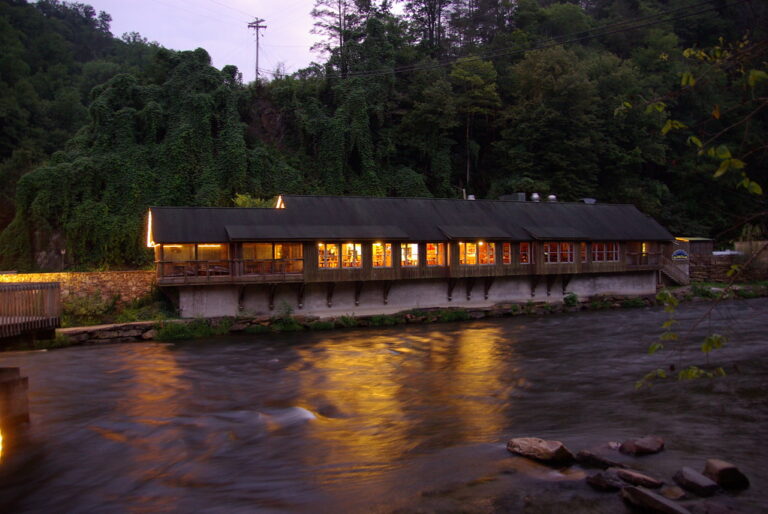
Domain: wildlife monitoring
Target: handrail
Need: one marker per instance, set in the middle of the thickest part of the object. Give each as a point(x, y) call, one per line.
point(29, 306)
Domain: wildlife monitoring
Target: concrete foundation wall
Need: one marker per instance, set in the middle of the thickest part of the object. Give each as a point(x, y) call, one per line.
point(211, 301)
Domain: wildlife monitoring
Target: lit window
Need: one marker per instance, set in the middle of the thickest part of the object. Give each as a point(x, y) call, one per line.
point(409, 254)
point(435, 254)
point(525, 253)
point(583, 252)
point(212, 252)
point(486, 253)
point(468, 253)
point(506, 253)
point(558, 252)
point(327, 255)
point(257, 251)
point(179, 253)
point(382, 255)
point(605, 252)
point(351, 255)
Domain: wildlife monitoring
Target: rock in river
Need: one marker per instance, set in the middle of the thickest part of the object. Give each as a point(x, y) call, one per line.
point(651, 502)
point(605, 481)
point(643, 446)
point(695, 482)
point(725, 474)
point(550, 452)
point(637, 478)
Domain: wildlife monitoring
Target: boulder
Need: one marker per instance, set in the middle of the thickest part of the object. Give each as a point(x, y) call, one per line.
point(695, 482)
point(605, 481)
point(725, 474)
point(637, 478)
point(643, 446)
point(672, 492)
point(149, 334)
point(650, 501)
point(596, 458)
point(550, 452)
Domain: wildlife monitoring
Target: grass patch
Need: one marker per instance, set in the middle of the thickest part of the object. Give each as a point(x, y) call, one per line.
point(256, 329)
point(632, 303)
point(91, 309)
point(195, 329)
point(452, 315)
point(382, 320)
point(703, 291)
point(321, 325)
point(286, 324)
point(346, 322)
point(599, 304)
point(746, 293)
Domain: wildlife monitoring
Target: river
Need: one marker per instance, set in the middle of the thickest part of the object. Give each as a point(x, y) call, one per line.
point(404, 419)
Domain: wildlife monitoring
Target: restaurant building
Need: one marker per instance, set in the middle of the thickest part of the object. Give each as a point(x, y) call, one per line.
point(326, 255)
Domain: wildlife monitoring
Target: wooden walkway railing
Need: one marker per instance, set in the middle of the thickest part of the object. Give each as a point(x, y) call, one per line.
point(29, 307)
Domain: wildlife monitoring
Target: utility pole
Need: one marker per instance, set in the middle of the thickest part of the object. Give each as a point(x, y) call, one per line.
point(256, 25)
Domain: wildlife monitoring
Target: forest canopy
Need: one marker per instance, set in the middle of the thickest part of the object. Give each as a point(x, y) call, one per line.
point(620, 100)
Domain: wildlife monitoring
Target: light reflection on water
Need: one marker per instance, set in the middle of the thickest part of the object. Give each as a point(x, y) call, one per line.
point(406, 418)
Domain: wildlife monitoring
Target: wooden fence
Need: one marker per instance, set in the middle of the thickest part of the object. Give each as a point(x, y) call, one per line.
point(29, 307)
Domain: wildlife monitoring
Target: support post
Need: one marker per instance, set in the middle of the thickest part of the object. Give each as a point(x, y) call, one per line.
point(550, 282)
point(358, 290)
point(272, 291)
point(451, 286)
point(469, 284)
point(566, 280)
point(387, 286)
point(300, 295)
point(487, 286)
point(534, 284)
point(329, 293)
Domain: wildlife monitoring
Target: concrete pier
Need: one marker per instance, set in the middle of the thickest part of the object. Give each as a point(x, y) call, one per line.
point(14, 407)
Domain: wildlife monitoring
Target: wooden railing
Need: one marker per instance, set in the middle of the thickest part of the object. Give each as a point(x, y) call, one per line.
point(197, 271)
point(29, 307)
point(643, 259)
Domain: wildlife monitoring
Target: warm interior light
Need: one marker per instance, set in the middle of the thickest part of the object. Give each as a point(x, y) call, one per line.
point(280, 203)
point(683, 239)
point(644, 247)
point(150, 242)
point(319, 245)
point(481, 243)
point(172, 246)
point(209, 246)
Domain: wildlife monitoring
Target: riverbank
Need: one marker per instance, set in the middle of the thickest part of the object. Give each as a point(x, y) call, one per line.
point(181, 329)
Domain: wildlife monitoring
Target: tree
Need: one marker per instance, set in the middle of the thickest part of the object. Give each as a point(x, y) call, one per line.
point(475, 85)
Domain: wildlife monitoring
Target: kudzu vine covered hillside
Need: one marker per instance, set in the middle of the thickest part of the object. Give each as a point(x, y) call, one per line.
point(611, 99)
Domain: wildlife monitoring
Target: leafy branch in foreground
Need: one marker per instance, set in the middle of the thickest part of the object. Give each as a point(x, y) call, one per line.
point(669, 336)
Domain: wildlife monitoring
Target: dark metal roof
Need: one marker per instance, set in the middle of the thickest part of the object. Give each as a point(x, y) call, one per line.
point(419, 219)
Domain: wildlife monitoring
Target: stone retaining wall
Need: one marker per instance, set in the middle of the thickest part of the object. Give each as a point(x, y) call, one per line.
point(125, 285)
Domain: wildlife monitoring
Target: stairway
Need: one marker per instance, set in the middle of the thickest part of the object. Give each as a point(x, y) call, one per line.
point(674, 273)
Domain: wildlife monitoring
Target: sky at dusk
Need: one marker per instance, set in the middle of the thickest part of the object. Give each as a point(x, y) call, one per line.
point(220, 26)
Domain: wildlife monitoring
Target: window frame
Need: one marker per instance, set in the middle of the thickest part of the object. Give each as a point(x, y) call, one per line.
point(322, 250)
point(386, 255)
point(409, 249)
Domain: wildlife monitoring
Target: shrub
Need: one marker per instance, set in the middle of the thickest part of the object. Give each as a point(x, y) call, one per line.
point(599, 303)
point(746, 293)
point(570, 299)
point(90, 309)
point(153, 306)
point(515, 309)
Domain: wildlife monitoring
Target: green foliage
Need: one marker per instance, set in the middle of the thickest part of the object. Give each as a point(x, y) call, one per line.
point(95, 129)
point(84, 310)
point(570, 299)
point(286, 324)
point(321, 325)
point(195, 329)
point(256, 329)
point(632, 303)
point(383, 320)
point(599, 303)
point(702, 291)
point(60, 341)
point(152, 307)
point(452, 315)
point(346, 322)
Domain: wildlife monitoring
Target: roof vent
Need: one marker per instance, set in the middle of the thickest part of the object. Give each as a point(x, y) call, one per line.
point(589, 201)
point(535, 197)
point(470, 197)
point(551, 198)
